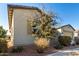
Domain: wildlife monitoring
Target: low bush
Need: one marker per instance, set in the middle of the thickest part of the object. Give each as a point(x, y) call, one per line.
point(3, 45)
point(41, 44)
point(64, 40)
point(17, 49)
point(76, 40)
point(58, 46)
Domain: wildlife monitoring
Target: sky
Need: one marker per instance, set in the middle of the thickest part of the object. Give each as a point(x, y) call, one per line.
point(67, 12)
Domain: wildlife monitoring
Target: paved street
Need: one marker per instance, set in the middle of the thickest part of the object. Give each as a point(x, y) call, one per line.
point(65, 52)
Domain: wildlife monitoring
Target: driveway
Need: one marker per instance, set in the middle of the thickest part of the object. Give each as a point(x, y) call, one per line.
point(70, 52)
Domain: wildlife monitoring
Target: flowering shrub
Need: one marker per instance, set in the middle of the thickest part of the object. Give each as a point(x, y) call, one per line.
point(42, 42)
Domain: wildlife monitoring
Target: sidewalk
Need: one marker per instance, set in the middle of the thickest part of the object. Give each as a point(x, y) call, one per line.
point(65, 52)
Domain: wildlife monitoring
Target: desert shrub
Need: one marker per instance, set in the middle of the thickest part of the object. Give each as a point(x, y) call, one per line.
point(17, 49)
point(58, 46)
point(41, 44)
point(76, 40)
point(55, 43)
point(3, 45)
point(64, 40)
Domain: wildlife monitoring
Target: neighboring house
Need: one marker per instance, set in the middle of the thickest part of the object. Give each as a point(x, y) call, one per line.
point(76, 33)
point(76, 36)
point(67, 30)
point(20, 18)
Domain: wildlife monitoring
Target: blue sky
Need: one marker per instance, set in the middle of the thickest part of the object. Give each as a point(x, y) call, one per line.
point(69, 13)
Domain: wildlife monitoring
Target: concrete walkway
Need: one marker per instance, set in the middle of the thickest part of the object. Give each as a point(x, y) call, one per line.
point(64, 52)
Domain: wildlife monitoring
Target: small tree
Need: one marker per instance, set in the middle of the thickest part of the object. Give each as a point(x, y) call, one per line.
point(43, 28)
point(2, 32)
point(3, 42)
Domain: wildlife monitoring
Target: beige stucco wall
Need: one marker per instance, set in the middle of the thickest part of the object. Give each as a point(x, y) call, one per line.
point(10, 42)
point(75, 34)
point(21, 37)
point(68, 34)
point(68, 31)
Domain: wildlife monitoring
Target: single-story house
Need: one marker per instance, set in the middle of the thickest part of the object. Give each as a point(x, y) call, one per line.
point(19, 19)
point(66, 30)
